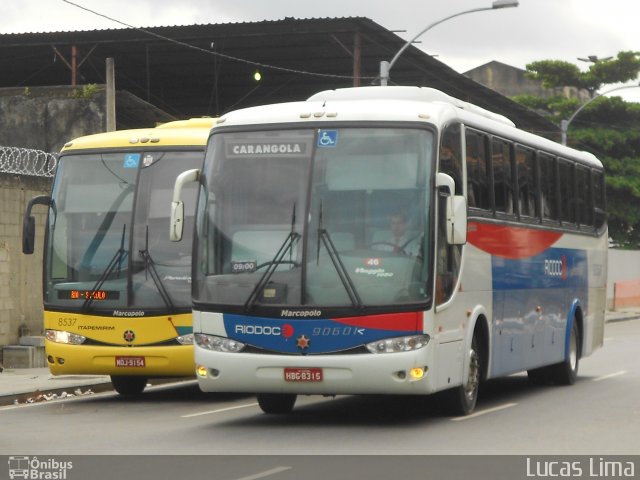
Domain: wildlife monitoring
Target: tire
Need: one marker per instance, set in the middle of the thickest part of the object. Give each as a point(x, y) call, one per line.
point(566, 372)
point(125, 385)
point(462, 400)
point(276, 403)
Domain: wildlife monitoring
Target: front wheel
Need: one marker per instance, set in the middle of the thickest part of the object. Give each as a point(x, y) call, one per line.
point(462, 400)
point(276, 403)
point(566, 372)
point(128, 385)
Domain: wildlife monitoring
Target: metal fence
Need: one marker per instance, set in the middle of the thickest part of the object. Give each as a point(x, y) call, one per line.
point(26, 161)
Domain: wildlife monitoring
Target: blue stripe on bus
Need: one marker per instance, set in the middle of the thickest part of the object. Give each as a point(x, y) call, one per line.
point(552, 269)
point(317, 335)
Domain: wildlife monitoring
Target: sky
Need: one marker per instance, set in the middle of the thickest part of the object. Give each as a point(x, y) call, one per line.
point(535, 30)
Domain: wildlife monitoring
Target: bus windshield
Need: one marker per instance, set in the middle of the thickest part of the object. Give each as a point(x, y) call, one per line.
point(316, 217)
point(107, 245)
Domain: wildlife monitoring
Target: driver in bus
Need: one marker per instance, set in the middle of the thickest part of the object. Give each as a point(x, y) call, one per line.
point(399, 239)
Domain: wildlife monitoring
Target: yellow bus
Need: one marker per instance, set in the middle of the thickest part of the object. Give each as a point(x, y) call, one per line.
point(117, 292)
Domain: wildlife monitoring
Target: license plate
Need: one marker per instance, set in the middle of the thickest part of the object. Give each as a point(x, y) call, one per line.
point(303, 374)
point(130, 362)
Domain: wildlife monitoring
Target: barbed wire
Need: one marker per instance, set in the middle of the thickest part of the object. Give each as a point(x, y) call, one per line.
point(27, 161)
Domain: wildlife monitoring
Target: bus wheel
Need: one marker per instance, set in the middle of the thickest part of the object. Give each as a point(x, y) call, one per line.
point(277, 403)
point(128, 385)
point(566, 372)
point(462, 400)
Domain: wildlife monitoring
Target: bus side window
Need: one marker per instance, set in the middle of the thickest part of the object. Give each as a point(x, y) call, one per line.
point(599, 204)
point(448, 256)
point(583, 197)
point(478, 186)
point(527, 191)
point(567, 193)
point(451, 155)
point(502, 176)
point(548, 187)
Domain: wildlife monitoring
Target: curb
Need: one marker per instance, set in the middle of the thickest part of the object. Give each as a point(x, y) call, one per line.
point(40, 396)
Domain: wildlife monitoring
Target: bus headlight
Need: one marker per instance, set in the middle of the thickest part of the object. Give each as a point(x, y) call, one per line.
point(185, 339)
point(399, 344)
point(218, 344)
point(59, 336)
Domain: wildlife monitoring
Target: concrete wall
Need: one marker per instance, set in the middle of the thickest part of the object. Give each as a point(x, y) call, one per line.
point(20, 275)
point(511, 81)
point(45, 118)
point(624, 266)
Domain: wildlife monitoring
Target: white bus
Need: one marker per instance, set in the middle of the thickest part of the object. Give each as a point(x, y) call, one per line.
point(391, 240)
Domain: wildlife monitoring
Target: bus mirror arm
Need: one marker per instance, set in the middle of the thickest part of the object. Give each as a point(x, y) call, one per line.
point(444, 180)
point(177, 205)
point(29, 223)
point(456, 211)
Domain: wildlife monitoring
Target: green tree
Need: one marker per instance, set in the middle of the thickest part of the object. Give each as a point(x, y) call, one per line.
point(558, 73)
point(608, 127)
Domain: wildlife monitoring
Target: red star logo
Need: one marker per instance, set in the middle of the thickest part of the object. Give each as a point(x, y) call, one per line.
point(129, 336)
point(303, 342)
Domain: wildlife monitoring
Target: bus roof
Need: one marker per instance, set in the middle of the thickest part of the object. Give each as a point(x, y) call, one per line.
point(397, 103)
point(194, 131)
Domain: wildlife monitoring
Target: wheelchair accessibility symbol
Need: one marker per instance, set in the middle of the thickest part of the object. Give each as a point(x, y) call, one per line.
point(328, 138)
point(131, 160)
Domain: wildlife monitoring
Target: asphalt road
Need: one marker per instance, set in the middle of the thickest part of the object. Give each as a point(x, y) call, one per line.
point(598, 416)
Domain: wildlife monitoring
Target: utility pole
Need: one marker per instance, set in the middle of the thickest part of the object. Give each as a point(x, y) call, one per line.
point(111, 96)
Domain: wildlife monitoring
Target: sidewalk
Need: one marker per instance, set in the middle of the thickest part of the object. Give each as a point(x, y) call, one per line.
point(31, 385)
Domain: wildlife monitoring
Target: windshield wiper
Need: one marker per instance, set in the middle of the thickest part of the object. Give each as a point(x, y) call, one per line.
point(116, 261)
point(150, 268)
point(341, 270)
point(287, 245)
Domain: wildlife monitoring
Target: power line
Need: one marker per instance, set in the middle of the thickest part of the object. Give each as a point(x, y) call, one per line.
point(209, 52)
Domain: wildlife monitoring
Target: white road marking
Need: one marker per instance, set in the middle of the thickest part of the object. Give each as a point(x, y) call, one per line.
point(220, 410)
point(610, 375)
point(266, 473)
point(484, 412)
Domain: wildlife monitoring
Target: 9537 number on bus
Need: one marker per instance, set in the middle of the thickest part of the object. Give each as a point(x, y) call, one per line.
point(303, 374)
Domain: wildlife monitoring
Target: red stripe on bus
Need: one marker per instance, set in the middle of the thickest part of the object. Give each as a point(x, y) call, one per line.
point(510, 242)
point(408, 321)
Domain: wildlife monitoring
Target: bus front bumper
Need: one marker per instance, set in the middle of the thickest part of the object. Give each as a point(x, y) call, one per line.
point(164, 361)
point(396, 373)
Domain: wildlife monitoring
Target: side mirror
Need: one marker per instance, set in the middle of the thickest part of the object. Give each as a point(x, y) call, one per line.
point(29, 223)
point(28, 234)
point(177, 221)
point(176, 226)
point(456, 211)
point(456, 220)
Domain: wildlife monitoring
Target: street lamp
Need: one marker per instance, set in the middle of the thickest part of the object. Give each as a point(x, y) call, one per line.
point(564, 124)
point(385, 67)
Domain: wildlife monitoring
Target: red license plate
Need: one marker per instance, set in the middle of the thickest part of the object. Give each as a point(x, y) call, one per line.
point(303, 374)
point(130, 362)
